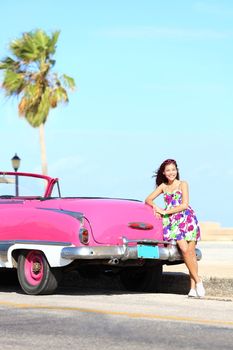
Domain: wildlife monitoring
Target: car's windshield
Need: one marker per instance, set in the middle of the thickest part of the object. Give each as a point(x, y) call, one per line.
point(23, 186)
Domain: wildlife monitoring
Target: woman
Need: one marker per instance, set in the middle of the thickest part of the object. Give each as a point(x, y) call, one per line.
point(179, 220)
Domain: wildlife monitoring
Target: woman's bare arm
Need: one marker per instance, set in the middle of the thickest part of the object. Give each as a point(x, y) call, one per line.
point(153, 195)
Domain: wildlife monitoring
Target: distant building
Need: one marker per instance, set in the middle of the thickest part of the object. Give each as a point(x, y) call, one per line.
point(212, 231)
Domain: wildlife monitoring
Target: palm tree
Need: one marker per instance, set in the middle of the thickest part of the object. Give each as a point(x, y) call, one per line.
point(28, 74)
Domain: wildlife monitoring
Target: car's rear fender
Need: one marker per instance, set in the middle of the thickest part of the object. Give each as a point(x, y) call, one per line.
point(51, 251)
point(112, 221)
point(42, 224)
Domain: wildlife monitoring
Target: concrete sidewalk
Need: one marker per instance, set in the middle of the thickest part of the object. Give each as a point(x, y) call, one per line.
point(216, 262)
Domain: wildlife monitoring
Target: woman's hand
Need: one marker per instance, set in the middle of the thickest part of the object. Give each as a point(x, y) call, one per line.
point(160, 211)
point(156, 213)
point(155, 208)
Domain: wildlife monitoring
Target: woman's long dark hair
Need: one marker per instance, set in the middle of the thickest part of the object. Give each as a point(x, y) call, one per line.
point(160, 177)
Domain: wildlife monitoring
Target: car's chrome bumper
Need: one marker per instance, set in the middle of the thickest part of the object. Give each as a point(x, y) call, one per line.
point(168, 251)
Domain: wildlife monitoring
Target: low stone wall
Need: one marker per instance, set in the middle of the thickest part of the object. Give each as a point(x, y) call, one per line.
point(212, 231)
point(179, 283)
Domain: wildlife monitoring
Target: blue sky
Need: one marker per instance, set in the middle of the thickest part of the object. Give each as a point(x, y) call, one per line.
point(154, 81)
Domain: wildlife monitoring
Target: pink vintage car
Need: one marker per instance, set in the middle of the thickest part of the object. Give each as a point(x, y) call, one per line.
point(43, 234)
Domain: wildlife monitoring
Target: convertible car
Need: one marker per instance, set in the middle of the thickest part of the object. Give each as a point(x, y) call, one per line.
point(43, 235)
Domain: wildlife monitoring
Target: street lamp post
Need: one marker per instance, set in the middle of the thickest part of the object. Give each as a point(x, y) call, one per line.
point(15, 164)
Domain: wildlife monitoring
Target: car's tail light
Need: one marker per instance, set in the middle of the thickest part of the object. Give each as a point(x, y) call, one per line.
point(84, 235)
point(140, 225)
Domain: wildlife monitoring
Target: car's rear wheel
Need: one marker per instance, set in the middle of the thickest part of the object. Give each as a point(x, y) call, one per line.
point(142, 279)
point(35, 275)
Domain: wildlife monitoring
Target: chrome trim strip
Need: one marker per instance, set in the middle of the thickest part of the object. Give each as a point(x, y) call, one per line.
point(3, 250)
point(11, 201)
point(121, 252)
point(77, 215)
point(98, 252)
point(21, 241)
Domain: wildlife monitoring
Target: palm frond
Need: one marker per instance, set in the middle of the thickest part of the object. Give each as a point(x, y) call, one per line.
point(36, 114)
point(25, 48)
point(53, 41)
point(43, 108)
point(9, 64)
point(41, 39)
point(22, 107)
point(33, 93)
point(68, 81)
point(32, 118)
point(13, 83)
point(58, 95)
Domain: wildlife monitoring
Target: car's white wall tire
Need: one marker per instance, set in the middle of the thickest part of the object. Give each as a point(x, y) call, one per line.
point(35, 275)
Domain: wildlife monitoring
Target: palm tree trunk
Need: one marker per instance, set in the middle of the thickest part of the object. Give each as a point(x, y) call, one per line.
point(43, 150)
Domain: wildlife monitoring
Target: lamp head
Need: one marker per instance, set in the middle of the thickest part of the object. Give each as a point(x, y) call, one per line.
point(15, 162)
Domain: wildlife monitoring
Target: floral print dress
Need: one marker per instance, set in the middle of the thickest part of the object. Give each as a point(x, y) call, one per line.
point(181, 225)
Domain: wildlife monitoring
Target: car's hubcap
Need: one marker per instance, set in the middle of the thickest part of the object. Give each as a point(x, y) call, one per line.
point(34, 268)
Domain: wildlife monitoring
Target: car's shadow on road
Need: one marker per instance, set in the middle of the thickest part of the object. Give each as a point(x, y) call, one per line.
point(9, 281)
point(74, 284)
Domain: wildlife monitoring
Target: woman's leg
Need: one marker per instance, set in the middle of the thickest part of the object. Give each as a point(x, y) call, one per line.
point(189, 255)
point(191, 246)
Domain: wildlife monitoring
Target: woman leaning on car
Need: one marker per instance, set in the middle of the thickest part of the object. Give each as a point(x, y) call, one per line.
point(179, 219)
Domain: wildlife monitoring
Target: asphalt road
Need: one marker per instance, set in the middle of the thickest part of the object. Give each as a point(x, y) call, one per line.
point(104, 320)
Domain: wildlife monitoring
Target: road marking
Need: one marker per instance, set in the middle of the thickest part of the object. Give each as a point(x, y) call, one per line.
point(118, 313)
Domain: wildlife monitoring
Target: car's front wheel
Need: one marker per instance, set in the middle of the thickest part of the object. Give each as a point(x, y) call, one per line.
point(142, 279)
point(35, 275)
